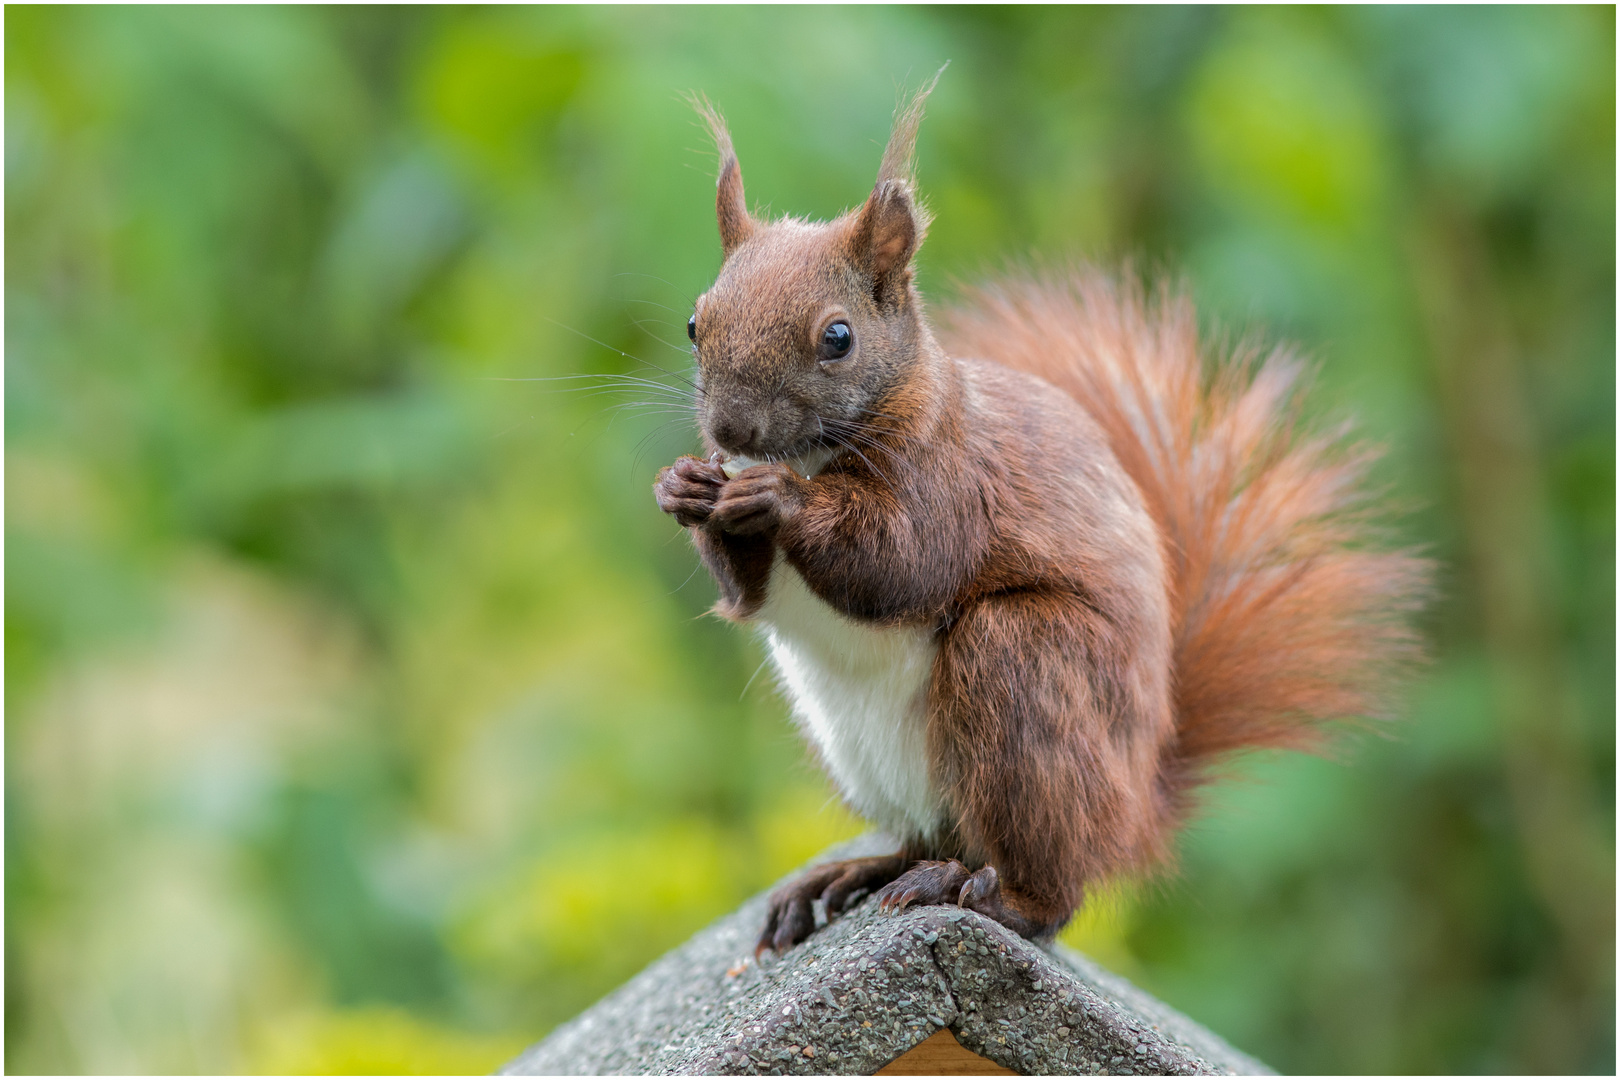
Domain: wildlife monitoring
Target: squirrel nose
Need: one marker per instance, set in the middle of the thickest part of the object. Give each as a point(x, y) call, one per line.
point(735, 434)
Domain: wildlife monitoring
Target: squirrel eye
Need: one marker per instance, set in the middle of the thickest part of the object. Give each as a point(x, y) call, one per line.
point(836, 341)
point(691, 328)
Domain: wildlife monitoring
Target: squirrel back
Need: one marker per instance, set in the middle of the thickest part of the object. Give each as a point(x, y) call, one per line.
point(1285, 612)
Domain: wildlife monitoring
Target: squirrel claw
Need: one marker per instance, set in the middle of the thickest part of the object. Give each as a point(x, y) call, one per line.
point(925, 883)
point(984, 885)
point(790, 916)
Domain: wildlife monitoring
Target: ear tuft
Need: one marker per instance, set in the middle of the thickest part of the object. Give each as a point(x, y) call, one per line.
point(890, 227)
point(730, 207)
point(899, 156)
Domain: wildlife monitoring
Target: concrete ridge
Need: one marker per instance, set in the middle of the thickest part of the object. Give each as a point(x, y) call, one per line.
point(867, 988)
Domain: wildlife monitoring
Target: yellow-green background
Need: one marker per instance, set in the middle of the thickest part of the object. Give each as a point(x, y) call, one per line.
point(360, 710)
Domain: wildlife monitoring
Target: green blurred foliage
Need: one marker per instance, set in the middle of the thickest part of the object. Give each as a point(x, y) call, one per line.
point(362, 716)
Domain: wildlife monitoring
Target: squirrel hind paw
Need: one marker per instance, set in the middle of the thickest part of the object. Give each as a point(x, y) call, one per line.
point(924, 884)
point(790, 914)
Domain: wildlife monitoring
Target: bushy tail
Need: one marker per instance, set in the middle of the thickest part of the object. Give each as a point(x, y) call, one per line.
point(1287, 613)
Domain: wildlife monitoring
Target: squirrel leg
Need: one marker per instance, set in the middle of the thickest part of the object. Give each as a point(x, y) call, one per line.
point(1049, 751)
point(741, 568)
point(693, 491)
point(789, 918)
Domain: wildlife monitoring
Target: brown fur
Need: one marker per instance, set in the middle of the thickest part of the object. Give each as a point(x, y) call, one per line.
point(1133, 556)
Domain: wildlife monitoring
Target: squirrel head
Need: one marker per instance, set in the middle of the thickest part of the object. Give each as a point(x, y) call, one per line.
point(810, 325)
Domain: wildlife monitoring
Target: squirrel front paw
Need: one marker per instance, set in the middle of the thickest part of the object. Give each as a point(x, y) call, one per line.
point(688, 489)
point(756, 501)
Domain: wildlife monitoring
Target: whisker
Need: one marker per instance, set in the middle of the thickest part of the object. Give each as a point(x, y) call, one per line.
point(660, 392)
point(876, 433)
point(650, 277)
point(684, 350)
point(643, 445)
point(504, 432)
point(853, 435)
point(673, 414)
point(599, 381)
point(894, 456)
point(653, 303)
point(852, 448)
point(874, 412)
point(688, 581)
point(642, 392)
point(754, 676)
point(621, 352)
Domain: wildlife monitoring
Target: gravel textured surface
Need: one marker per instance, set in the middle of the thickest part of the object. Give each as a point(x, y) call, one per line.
point(867, 988)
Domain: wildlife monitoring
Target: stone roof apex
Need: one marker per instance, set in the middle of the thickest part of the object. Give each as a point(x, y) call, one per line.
point(868, 988)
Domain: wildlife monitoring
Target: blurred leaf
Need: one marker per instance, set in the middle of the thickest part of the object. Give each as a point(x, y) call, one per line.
point(376, 1042)
point(495, 84)
point(378, 442)
point(1279, 118)
point(405, 221)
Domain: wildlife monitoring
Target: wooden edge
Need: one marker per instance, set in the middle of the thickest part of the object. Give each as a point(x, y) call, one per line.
point(941, 1055)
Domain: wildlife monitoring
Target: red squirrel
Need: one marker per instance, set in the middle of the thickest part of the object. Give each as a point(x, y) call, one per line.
point(1025, 579)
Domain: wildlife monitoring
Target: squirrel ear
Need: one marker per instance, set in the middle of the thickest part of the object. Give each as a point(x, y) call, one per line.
point(730, 208)
point(887, 230)
point(891, 226)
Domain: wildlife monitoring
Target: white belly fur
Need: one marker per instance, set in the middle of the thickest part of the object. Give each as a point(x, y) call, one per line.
point(860, 693)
